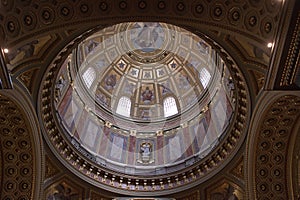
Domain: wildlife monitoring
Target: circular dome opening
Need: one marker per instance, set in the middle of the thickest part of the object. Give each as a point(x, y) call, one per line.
point(144, 98)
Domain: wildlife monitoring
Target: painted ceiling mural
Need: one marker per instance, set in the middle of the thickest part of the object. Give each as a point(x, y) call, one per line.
point(152, 98)
point(156, 85)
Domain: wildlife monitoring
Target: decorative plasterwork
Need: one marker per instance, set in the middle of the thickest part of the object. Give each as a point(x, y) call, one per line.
point(106, 178)
point(285, 57)
point(292, 62)
point(20, 149)
point(293, 161)
point(191, 196)
point(257, 22)
point(28, 78)
point(50, 169)
point(248, 16)
point(97, 196)
point(238, 170)
point(268, 145)
point(224, 189)
point(64, 189)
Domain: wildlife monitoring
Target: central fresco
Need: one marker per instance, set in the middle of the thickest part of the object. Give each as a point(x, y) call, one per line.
point(144, 98)
point(145, 64)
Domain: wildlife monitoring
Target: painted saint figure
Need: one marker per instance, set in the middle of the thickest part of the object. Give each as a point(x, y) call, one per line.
point(147, 95)
point(146, 153)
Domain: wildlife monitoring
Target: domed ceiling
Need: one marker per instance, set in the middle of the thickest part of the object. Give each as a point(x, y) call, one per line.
point(143, 99)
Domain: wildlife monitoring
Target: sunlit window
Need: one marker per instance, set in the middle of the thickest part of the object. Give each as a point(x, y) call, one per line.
point(204, 77)
point(170, 107)
point(89, 76)
point(124, 106)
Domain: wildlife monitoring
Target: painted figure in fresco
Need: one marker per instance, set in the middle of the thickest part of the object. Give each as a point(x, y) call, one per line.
point(145, 114)
point(224, 193)
point(90, 46)
point(230, 86)
point(129, 88)
point(203, 47)
point(165, 88)
point(60, 84)
point(27, 50)
point(145, 149)
point(63, 192)
point(147, 95)
point(147, 36)
point(183, 82)
point(146, 153)
point(110, 81)
point(101, 98)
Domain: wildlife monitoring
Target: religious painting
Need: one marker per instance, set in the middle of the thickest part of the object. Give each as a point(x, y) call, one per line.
point(202, 47)
point(102, 99)
point(224, 190)
point(147, 36)
point(28, 50)
point(144, 113)
point(129, 87)
point(90, 45)
point(146, 153)
point(64, 190)
point(147, 94)
point(59, 87)
point(184, 81)
point(165, 89)
point(110, 81)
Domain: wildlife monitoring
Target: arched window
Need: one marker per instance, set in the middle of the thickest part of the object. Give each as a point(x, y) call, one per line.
point(124, 106)
point(204, 77)
point(170, 107)
point(89, 76)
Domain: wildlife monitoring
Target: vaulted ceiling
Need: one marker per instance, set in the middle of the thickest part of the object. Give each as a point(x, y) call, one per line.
point(258, 158)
